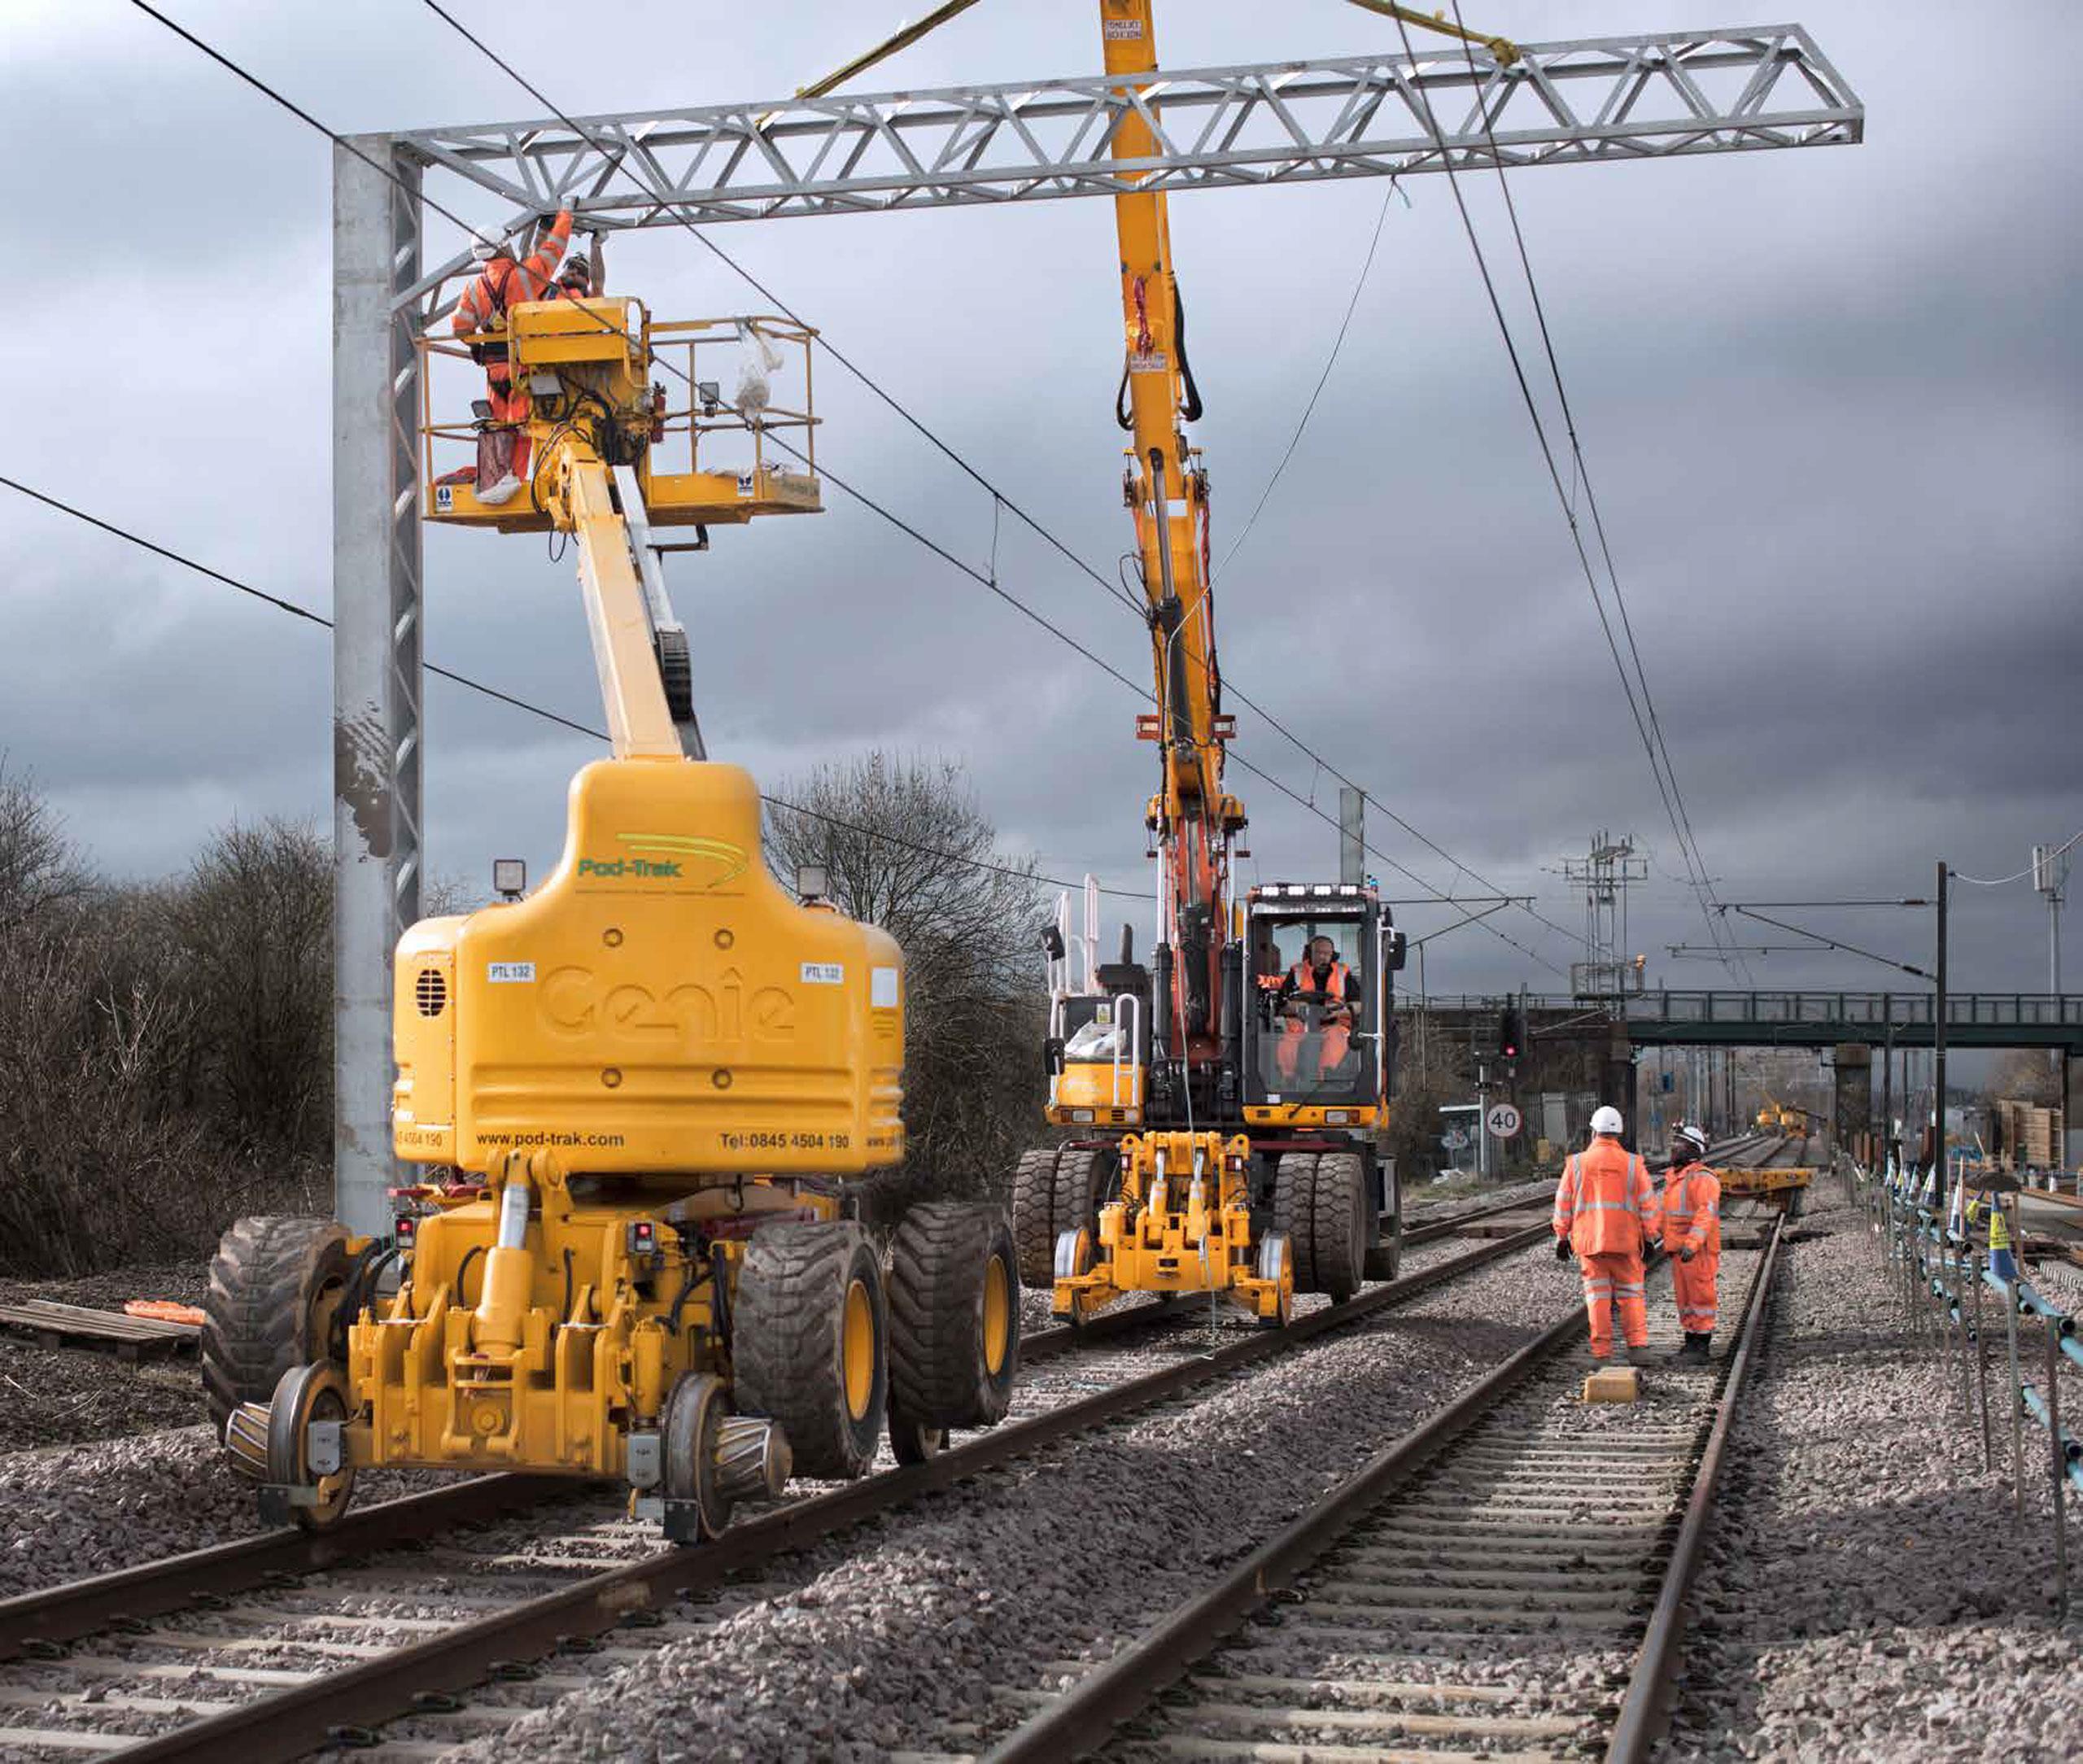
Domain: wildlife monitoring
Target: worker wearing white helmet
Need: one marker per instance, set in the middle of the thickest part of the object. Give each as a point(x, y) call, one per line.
point(1606, 1214)
point(504, 447)
point(1691, 1227)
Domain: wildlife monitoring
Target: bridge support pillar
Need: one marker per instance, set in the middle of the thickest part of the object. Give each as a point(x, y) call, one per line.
point(1852, 1113)
point(1617, 1083)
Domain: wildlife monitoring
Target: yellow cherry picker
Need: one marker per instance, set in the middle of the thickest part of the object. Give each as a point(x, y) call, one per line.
point(637, 1092)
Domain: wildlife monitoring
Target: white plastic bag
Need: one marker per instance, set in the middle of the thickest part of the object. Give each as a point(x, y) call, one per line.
point(758, 362)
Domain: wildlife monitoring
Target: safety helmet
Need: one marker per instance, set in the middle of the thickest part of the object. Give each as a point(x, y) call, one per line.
point(1608, 1120)
point(484, 247)
point(1694, 1137)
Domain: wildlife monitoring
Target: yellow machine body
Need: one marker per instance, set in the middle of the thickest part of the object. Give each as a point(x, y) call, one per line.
point(547, 1356)
point(1773, 1188)
point(1181, 1223)
point(658, 1006)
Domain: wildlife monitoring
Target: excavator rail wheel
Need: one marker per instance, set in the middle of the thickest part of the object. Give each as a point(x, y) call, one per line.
point(276, 1286)
point(807, 1335)
point(953, 1316)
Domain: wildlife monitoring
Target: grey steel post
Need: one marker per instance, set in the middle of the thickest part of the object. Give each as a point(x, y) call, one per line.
point(376, 653)
point(1352, 834)
point(1981, 1349)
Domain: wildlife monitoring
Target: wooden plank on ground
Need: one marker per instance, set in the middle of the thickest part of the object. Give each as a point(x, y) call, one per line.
point(78, 1325)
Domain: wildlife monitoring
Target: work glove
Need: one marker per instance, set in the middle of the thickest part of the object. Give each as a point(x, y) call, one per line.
point(1686, 1254)
point(1562, 1249)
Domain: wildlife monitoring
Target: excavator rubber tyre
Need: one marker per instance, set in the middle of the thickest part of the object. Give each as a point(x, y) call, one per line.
point(1081, 1175)
point(697, 1507)
point(1320, 1204)
point(1340, 1245)
point(1034, 1216)
point(807, 1343)
point(276, 1285)
point(954, 1318)
point(316, 1392)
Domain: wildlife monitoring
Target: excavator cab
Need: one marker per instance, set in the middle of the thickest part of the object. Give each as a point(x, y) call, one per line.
point(1317, 1035)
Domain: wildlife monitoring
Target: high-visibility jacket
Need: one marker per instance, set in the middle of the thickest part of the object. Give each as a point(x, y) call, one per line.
point(1693, 1210)
point(1605, 1203)
point(1303, 977)
point(506, 283)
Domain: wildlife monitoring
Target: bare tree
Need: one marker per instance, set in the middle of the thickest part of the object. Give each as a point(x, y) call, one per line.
point(1430, 1070)
point(905, 846)
point(39, 870)
point(254, 919)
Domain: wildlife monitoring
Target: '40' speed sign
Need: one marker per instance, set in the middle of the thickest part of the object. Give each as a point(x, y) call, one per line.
point(1502, 1120)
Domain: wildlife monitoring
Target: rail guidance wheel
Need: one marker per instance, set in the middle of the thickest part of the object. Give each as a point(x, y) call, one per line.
point(277, 1285)
point(807, 1335)
point(1276, 1262)
point(315, 1485)
point(954, 1323)
point(693, 1430)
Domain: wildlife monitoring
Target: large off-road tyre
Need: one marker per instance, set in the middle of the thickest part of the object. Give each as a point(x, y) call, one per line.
point(953, 1316)
point(1034, 1216)
point(1081, 1178)
point(1339, 1249)
point(1320, 1202)
point(807, 1332)
point(275, 1285)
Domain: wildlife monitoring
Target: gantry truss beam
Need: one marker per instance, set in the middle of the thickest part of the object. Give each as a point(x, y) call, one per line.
point(1651, 97)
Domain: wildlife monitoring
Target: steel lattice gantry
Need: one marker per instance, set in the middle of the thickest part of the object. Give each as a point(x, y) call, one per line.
point(1656, 96)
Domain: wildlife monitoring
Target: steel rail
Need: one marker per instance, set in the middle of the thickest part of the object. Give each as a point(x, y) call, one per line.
point(31, 1622)
point(340, 1708)
point(1645, 1710)
point(1086, 1719)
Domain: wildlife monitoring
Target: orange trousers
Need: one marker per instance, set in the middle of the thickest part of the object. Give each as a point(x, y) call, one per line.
point(1333, 1039)
point(1694, 1281)
point(1610, 1281)
point(504, 449)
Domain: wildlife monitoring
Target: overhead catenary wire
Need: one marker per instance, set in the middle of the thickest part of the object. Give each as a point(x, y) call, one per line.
point(2061, 850)
point(988, 580)
point(413, 193)
point(1702, 886)
point(480, 686)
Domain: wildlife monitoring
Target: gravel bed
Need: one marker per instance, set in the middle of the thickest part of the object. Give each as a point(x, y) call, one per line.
point(1865, 1595)
point(895, 1638)
point(86, 1509)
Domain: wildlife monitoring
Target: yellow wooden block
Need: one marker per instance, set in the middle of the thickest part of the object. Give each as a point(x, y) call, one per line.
point(1613, 1384)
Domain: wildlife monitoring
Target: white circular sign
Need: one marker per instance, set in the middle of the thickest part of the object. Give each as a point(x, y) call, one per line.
point(1502, 1120)
point(1457, 1141)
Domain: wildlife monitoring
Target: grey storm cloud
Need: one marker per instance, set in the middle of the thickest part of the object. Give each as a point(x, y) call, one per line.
point(1828, 402)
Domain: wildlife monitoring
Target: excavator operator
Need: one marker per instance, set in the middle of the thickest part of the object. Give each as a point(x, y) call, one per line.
point(503, 447)
point(1337, 996)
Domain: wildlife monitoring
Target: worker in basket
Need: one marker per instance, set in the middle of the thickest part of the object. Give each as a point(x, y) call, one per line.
point(1321, 986)
point(1691, 1231)
point(1605, 1215)
point(503, 444)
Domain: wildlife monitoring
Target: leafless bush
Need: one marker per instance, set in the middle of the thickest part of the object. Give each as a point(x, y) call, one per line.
point(158, 1070)
point(904, 846)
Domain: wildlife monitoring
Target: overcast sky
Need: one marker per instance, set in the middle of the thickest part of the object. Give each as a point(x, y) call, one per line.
point(1829, 401)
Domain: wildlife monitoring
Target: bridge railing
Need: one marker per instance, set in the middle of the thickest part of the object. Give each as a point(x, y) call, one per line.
point(1878, 1009)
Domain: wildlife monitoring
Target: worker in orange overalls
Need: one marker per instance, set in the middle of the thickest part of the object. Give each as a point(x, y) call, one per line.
point(1320, 972)
point(1606, 1214)
point(1691, 1227)
point(503, 447)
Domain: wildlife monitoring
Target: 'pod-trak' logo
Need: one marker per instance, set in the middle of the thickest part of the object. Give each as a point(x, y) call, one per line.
point(686, 858)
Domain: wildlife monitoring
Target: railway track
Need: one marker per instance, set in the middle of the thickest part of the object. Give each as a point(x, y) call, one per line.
point(278, 1645)
point(1508, 1581)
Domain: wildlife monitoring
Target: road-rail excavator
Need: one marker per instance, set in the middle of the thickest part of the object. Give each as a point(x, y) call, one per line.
point(638, 1092)
point(1223, 1097)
